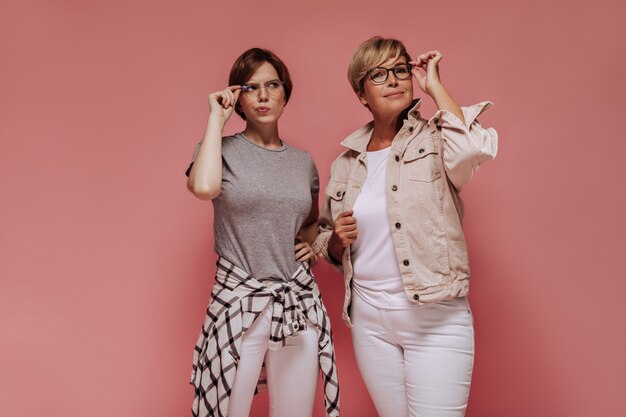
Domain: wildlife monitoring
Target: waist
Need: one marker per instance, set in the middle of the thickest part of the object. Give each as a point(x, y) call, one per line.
point(231, 276)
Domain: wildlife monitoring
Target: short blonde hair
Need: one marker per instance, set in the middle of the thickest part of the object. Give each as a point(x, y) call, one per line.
point(371, 53)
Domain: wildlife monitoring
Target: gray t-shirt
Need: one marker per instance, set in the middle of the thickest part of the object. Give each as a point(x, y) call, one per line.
point(266, 196)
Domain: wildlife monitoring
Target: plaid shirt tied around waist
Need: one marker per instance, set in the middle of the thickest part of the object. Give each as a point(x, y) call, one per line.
point(237, 300)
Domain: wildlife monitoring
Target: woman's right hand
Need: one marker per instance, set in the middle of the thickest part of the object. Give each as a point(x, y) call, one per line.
point(343, 235)
point(222, 103)
point(345, 231)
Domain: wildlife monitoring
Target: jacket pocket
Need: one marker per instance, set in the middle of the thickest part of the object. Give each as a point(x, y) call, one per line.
point(420, 160)
point(336, 192)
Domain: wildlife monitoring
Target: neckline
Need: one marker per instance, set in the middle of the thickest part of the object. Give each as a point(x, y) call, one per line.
point(280, 149)
point(380, 151)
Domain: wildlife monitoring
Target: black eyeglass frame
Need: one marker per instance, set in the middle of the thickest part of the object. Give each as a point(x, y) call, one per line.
point(409, 67)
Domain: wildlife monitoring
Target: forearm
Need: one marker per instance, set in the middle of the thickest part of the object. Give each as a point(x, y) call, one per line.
point(309, 232)
point(444, 101)
point(335, 249)
point(205, 178)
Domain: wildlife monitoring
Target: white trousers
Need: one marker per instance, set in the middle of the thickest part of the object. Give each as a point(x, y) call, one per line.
point(292, 371)
point(418, 361)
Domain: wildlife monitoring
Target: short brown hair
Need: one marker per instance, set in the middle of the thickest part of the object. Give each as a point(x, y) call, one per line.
point(249, 62)
point(371, 53)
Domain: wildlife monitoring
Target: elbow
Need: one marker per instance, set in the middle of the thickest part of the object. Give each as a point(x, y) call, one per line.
point(484, 144)
point(203, 192)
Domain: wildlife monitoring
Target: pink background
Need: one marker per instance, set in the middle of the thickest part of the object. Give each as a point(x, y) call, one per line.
point(106, 260)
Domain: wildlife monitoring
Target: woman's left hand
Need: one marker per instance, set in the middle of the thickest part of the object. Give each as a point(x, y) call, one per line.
point(426, 71)
point(304, 252)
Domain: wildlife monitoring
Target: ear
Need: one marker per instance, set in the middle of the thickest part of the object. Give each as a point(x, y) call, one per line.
point(362, 99)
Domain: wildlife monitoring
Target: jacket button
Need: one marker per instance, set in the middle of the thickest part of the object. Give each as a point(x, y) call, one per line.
point(421, 150)
point(398, 225)
point(436, 120)
point(416, 297)
point(397, 158)
point(411, 129)
point(394, 187)
point(405, 262)
point(338, 193)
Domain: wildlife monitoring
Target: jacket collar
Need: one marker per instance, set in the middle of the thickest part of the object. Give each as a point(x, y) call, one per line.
point(359, 139)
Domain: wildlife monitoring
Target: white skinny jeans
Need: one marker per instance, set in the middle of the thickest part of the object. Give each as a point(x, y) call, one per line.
point(292, 371)
point(418, 361)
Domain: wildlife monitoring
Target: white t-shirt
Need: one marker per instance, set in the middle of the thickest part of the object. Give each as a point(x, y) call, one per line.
point(377, 277)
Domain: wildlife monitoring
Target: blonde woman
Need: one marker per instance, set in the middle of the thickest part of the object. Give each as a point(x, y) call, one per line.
point(391, 221)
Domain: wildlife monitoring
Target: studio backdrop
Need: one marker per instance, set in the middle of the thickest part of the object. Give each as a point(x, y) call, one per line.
point(107, 262)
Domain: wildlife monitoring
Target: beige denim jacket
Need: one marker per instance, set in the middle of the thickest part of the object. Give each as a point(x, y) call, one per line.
point(429, 164)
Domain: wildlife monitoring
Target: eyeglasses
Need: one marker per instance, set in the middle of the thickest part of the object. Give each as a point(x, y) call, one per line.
point(380, 74)
point(272, 87)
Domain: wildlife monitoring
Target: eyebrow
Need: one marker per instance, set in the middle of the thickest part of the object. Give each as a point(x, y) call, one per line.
point(261, 82)
point(395, 63)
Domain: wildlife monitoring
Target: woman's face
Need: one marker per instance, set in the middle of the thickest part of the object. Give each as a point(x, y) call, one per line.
point(262, 99)
point(391, 97)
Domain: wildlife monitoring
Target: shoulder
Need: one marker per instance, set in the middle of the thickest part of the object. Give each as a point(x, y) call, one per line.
point(299, 155)
point(340, 167)
point(231, 140)
point(234, 146)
